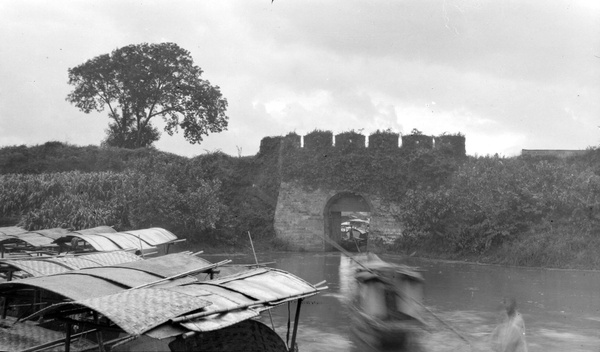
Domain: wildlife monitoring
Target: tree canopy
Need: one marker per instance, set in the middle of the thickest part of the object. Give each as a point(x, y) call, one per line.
point(140, 81)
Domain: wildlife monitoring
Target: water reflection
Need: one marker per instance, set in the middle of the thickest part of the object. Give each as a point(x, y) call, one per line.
point(561, 308)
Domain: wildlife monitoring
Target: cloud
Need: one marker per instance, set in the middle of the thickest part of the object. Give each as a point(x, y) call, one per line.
point(508, 74)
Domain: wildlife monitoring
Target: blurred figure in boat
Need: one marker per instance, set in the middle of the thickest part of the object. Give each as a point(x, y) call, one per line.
point(509, 336)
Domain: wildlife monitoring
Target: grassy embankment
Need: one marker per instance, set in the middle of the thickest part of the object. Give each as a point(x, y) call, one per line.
point(212, 200)
point(541, 212)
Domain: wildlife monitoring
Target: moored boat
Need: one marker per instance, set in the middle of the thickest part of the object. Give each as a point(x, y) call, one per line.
point(17, 242)
point(157, 299)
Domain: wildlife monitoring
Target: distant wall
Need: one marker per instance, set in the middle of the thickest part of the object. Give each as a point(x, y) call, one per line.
point(319, 140)
point(560, 153)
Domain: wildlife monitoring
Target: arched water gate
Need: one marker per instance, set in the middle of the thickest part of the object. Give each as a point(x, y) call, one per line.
point(334, 208)
point(304, 216)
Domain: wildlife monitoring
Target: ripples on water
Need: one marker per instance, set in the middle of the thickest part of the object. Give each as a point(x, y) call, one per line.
point(561, 309)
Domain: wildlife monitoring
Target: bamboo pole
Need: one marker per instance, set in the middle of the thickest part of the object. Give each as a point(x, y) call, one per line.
point(99, 336)
point(256, 303)
point(68, 338)
point(256, 261)
point(296, 319)
point(189, 272)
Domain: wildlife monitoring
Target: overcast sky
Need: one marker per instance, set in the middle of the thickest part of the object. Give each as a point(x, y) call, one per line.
point(509, 75)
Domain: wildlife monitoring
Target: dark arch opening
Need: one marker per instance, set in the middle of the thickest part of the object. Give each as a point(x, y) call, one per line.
point(347, 216)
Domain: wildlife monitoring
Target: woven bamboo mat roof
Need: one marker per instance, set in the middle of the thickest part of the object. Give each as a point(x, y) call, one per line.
point(125, 277)
point(99, 242)
point(54, 233)
point(34, 239)
point(101, 238)
point(154, 236)
point(93, 230)
point(37, 266)
point(219, 303)
point(101, 281)
point(66, 285)
point(10, 231)
point(97, 259)
point(126, 241)
point(37, 238)
point(137, 311)
point(167, 265)
point(112, 258)
point(143, 239)
point(245, 295)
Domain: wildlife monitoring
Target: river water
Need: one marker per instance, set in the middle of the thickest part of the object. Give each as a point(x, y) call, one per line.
point(561, 308)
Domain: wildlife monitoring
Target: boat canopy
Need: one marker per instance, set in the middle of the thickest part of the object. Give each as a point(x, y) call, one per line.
point(38, 238)
point(102, 239)
point(33, 239)
point(94, 230)
point(127, 241)
point(99, 242)
point(143, 240)
point(10, 232)
point(99, 281)
point(181, 307)
point(41, 266)
point(54, 234)
point(154, 236)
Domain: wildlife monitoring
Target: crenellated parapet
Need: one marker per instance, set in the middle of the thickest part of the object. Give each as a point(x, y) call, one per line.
point(350, 141)
point(384, 141)
point(324, 141)
point(417, 141)
point(269, 145)
point(318, 140)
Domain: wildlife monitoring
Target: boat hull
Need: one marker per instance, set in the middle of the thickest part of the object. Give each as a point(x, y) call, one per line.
point(379, 335)
point(246, 336)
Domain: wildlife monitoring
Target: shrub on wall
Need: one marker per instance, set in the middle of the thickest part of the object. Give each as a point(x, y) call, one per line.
point(417, 141)
point(318, 140)
point(293, 140)
point(384, 141)
point(451, 144)
point(269, 145)
point(350, 141)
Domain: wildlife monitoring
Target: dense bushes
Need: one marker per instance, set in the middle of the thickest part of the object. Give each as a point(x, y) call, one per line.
point(213, 198)
point(124, 200)
point(70, 200)
point(492, 201)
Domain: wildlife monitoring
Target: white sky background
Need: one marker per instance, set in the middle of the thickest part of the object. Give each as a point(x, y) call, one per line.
point(509, 75)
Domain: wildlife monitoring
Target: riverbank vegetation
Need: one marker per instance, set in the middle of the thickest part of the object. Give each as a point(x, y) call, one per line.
point(210, 199)
point(519, 211)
